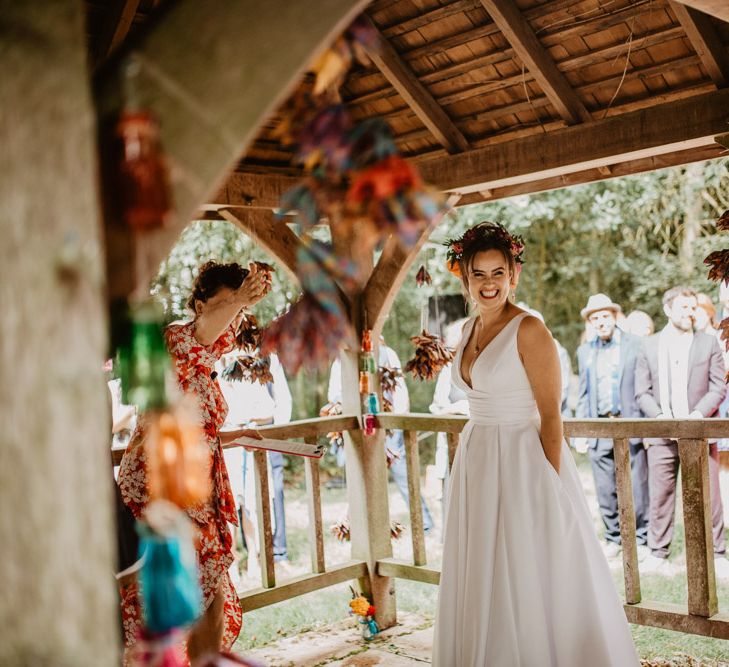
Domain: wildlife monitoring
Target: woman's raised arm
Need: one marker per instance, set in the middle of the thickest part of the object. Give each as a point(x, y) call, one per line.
point(216, 314)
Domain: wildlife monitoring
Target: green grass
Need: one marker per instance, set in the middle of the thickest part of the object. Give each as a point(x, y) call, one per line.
point(319, 609)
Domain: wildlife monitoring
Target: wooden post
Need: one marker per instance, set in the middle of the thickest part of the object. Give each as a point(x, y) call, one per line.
point(624, 483)
point(693, 455)
point(263, 510)
point(59, 604)
point(313, 496)
point(412, 460)
point(452, 446)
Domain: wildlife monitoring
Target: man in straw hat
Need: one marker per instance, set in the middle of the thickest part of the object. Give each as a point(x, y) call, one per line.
point(607, 389)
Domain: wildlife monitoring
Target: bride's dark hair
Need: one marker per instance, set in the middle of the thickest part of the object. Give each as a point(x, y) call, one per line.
point(484, 236)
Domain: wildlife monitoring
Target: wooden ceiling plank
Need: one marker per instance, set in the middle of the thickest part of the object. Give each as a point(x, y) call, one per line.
point(399, 74)
point(118, 20)
point(717, 8)
point(519, 34)
point(705, 40)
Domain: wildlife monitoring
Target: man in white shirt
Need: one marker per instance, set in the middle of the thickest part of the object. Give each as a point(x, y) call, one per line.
point(679, 374)
point(253, 403)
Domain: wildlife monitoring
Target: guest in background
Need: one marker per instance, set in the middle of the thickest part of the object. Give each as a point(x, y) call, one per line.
point(252, 404)
point(705, 315)
point(679, 374)
point(640, 324)
point(607, 375)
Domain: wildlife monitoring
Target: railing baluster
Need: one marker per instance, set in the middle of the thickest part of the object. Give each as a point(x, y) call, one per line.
point(263, 509)
point(693, 454)
point(452, 446)
point(621, 450)
point(313, 497)
point(412, 460)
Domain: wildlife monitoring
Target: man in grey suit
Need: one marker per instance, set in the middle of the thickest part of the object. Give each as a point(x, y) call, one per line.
point(607, 375)
point(679, 374)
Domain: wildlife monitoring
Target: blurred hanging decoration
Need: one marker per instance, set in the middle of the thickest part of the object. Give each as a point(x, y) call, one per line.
point(177, 456)
point(313, 328)
point(249, 367)
point(356, 180)
point(431, 355)
point(169, 578)
point(423, 277)
point(141, 188)
point(388, 384)
point(340, 530)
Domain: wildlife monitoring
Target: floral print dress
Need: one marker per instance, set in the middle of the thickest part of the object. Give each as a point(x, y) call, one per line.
point(194, 366)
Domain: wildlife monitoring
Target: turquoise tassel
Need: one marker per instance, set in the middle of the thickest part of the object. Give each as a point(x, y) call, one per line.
point(169, 577)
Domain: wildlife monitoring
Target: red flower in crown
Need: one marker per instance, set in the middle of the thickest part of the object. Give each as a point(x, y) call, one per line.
point(483, 230)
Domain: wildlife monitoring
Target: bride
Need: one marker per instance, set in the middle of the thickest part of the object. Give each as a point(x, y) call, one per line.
point(524, 581)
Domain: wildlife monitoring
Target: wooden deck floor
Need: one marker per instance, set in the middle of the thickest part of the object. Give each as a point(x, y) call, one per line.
point(339, 645)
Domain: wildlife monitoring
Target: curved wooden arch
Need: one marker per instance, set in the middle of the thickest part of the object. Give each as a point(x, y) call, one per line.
point(211, 73)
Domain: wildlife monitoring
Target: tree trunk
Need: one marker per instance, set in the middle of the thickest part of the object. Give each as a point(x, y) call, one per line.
point(58, 601)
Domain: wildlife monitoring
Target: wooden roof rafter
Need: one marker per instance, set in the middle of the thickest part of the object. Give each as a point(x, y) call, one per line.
point(402, 78)
point(705, 40)
point(535, 58)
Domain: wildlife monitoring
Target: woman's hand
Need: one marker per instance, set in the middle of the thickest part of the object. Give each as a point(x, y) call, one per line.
point(255, 286)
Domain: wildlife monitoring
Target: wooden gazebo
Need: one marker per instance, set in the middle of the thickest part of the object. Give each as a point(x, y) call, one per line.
point(490, 98)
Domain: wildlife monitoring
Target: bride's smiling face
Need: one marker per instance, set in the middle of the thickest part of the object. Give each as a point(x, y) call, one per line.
point(489, 279)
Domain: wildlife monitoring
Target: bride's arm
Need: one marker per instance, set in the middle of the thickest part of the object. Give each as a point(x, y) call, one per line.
point(539, 355)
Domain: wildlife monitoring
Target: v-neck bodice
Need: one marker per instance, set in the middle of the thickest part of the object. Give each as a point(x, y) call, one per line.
point(500, 391)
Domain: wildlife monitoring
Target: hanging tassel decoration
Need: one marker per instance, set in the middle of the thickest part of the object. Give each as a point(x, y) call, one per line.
point(169, 577)
point(177, 456)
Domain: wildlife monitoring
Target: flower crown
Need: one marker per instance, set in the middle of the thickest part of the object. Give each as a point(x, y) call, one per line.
point(482, 231)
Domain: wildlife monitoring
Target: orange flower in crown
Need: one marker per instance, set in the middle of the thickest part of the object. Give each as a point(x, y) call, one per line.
point(483, 230)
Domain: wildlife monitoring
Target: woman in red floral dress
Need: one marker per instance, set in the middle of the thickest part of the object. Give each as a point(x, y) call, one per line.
point(220, 292)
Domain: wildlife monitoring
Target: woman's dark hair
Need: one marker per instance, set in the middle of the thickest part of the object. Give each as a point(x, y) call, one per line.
point(212, 277)
point(481, 242)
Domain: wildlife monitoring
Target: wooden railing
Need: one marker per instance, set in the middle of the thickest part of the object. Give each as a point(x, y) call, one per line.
point(701, 615)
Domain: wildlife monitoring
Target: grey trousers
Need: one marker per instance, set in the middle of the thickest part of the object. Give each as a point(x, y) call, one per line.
point(663, 465)
point(602, 460)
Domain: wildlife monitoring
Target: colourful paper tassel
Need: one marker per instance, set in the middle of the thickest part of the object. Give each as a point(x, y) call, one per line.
point(169, 576)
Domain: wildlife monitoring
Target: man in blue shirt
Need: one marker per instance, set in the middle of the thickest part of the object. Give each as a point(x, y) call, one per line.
point(607, 381)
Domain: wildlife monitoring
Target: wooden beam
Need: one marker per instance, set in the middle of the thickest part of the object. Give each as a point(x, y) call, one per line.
point(705, 40)
point(671, 616)
point(518, 33)
point(390, 273)
point(253, 190)
point(262, 597)
point(399, 74)
point(665, 128)
point(598, 174)
point(272, 234)
point(717, 8)
point(203, 142)
point(392, 567)
point(119, 17)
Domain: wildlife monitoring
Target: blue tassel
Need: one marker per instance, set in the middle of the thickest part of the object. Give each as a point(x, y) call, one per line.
point(169, 577)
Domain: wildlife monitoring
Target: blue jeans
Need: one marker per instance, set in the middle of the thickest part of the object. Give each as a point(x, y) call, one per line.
point(399, 471)
point(279, 534)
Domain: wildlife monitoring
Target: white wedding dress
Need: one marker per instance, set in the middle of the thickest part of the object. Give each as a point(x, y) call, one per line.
point(524, 580)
